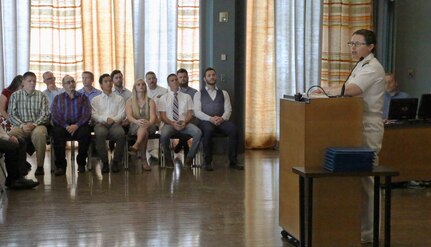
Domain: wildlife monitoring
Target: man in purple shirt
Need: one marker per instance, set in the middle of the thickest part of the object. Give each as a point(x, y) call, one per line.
point(71, 112)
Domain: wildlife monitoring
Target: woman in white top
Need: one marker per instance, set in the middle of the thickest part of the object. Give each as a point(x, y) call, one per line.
point(367, 80)
point(141, 113)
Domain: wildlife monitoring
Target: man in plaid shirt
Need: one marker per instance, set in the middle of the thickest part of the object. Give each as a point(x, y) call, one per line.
point(29, 113)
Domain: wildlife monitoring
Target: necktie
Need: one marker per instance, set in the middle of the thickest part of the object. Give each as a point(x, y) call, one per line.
point(175, 108)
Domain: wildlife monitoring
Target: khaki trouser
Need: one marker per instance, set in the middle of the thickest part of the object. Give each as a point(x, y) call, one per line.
point(38, 138)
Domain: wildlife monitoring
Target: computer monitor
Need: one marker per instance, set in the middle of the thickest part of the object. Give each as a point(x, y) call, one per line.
point(424, 111)
point(403, 109)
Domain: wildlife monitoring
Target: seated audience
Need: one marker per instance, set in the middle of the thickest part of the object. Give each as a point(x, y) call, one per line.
point(119, 88)
point(154, 92)
point(29, 114)
point(88, 89)
point(141, 113)
point(51, 88)
point(71, 112)
point(14, 150)
point(15, 85)
point(213, 108)
point(391, 92)
point(183, 78)
point(176, 112)
point(108, 111)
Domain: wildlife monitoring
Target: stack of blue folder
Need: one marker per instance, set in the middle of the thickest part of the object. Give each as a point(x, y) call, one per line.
point(344, 159)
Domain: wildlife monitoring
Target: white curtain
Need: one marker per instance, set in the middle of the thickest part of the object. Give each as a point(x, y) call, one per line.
point(298, 46)
point(155, 38)
point(15, 39)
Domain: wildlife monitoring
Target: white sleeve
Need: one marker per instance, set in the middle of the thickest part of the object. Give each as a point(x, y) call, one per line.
point(227, 106)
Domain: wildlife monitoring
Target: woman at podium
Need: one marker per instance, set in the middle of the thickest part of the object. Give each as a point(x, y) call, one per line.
point(367, 80)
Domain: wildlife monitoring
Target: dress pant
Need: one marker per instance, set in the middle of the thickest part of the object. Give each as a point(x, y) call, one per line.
point(60, 136)
point(114, 133)
point(168, 131)
point(15, 157)
point(228, 128)
point(38, 139)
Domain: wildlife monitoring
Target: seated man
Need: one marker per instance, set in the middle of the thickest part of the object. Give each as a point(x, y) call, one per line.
point(29, 113)
point(391, 92)
point(88, 89)
point(176, 112)
point(14, 150)
point(51, 87)
point(71, 112)
point(213, 108)
point(183, 79)
point(108, 111)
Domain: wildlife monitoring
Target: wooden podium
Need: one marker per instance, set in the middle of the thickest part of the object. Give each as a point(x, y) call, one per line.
point(306, 130)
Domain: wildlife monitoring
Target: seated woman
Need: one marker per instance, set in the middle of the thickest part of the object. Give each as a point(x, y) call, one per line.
point(141, 113)
point(15, 85)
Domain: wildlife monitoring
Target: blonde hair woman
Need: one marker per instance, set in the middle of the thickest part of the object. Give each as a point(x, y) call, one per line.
point(141, 113)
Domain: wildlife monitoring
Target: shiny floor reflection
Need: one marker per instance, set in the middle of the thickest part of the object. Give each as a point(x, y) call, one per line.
point(173, 207)
point(168, 207)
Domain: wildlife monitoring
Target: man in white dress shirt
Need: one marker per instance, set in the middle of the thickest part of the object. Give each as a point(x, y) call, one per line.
point(108, 111)
point(176, 112)
point(154, 92)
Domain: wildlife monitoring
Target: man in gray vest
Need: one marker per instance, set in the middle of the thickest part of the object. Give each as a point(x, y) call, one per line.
point(213, 108)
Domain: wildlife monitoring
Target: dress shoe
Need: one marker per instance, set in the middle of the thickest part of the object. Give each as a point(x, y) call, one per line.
point(60, 171)
point(115, 167)
point(188, 161)
point(105, 168)
point(81, 168)
point(169, 163)
point(39, 171)
point(133, 151)
point(23, 183)
point(209, 167)
point(146, 167)
point(234, 165)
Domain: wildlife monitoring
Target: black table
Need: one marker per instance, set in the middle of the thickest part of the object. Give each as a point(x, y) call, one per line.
point(306, 177)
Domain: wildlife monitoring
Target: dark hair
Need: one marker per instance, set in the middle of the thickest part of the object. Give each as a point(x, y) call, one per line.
point(103, 77)
point(27, 74)
point(89, 73)
point(16, 82)
point(369, 36)
point(114, 72)
point(167, 78)
point(182, 71)
point(208, 69)
point(150, 73)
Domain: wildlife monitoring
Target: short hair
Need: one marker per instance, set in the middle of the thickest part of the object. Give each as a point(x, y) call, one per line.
point(28, 74)
point(89, 73)
point(46, 72)
point(170, 75)
point(208, 69)
point(182, 71)
point(16, 82)
point(103, 77)
point(369, 36)
point(62, 80)
point(150, 73)
point(114, 72)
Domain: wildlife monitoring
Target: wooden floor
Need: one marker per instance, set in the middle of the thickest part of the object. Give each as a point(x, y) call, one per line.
point(174, 207)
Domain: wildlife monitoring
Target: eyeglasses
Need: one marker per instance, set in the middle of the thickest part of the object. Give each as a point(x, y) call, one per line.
point(355, 44)
point(69, 82)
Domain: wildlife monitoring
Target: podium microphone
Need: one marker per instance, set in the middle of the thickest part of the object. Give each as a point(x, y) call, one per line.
point(343, 88)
